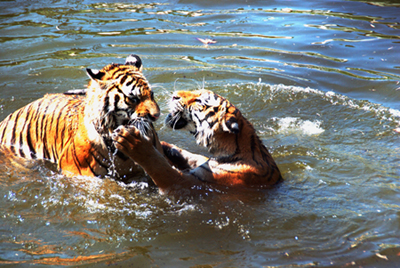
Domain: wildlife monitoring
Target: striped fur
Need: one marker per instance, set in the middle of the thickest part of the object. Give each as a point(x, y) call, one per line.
point(239, 157)
point(74, 130)
point(219, 125)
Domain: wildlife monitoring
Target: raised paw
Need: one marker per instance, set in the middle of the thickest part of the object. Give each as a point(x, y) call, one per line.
point(128, 140)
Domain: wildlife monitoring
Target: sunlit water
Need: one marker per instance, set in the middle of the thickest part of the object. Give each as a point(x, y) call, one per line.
point(319, 81)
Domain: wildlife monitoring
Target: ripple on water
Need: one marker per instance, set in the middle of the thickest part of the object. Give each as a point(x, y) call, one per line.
point(339, 202)
point(340, 182)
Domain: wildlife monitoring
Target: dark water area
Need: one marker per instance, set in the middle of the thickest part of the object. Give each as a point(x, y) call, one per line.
point(319, 80)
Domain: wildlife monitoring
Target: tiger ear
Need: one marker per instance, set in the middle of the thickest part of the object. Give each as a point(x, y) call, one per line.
point(229, 121)
point(94, 74)
point(134, 60)
point(231, 125)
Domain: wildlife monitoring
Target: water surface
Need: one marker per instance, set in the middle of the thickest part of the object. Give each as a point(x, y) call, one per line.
point(319, 81)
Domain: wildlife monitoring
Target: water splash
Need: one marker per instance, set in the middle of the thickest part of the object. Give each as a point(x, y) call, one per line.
point(296, 125)
point(112, 170)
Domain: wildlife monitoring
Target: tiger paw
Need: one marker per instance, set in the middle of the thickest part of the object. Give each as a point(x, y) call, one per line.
point(128, 140)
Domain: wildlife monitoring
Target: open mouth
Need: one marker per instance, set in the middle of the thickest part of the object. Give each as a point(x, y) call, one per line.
point(175, 121)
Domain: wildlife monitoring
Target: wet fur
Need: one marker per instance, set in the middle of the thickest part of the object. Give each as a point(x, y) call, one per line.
point(74, 129)
point(239, 157)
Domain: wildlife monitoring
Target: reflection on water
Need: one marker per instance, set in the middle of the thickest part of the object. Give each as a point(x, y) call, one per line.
point(318, 80)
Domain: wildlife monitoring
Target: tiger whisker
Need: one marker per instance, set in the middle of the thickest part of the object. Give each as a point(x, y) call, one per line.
point(157, 86)
point(142, 125)
point(175, 83)
point(106, 119)
point(175, 119)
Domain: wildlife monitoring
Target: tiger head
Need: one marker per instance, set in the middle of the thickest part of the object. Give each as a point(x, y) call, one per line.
point(119, 94)
point(208, 116)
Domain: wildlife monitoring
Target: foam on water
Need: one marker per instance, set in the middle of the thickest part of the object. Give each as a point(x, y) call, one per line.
point(336, 98)
point(284, 94)
point(296, 125)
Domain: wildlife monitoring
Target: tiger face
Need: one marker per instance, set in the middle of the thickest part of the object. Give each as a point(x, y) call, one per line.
point(204, 114)
point(119, 94)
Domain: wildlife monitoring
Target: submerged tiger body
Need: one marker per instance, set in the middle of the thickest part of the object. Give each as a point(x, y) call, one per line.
point(74, 130)
point(240, 160)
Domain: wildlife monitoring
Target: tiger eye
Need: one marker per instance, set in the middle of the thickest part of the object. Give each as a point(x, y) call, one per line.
point(133, 99)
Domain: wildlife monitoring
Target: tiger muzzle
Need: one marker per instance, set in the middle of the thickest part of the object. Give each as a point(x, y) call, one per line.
point(175, 121)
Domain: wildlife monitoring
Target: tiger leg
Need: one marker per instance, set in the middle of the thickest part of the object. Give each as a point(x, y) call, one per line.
point(181, 158)
point(141, 150)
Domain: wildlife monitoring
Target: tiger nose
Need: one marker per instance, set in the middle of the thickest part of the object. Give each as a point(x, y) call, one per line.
point(154, 116)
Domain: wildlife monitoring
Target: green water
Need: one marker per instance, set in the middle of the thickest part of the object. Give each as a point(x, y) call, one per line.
point(320, 82)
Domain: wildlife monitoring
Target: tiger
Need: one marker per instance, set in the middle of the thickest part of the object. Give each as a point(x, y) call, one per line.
point(74, 129)
point(239, 158)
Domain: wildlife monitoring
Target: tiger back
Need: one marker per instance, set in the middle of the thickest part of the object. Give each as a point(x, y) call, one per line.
point(74, 130)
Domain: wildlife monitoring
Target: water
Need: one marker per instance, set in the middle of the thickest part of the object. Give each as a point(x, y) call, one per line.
point(320, 82)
